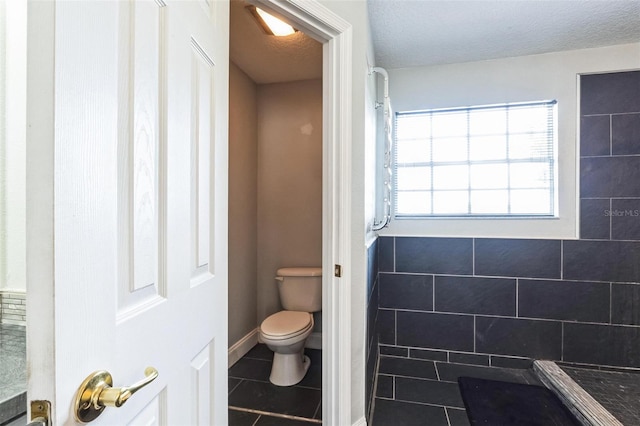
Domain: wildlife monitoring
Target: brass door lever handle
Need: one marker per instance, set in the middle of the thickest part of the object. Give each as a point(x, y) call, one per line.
point(96, 393)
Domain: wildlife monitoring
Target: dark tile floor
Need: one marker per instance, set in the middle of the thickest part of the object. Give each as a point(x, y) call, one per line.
point(254, 401)
point(421, 392)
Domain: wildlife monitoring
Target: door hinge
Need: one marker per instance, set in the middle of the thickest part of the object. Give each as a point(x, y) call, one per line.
point(337, 270)
point(40, 413)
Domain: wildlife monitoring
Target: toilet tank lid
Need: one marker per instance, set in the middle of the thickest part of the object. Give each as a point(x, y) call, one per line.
point(299, 272)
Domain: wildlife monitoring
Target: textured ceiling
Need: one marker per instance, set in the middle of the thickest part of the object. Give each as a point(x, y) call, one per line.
point(408, 33)
point(269, 59)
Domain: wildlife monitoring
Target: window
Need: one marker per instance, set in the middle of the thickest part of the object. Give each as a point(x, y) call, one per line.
point(496, 160)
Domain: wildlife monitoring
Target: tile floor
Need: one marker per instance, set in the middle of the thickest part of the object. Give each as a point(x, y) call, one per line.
point(13, 371)
point(254, 401)
point(421, 392)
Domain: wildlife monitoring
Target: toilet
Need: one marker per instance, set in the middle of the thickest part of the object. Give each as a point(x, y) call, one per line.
point(286, 332)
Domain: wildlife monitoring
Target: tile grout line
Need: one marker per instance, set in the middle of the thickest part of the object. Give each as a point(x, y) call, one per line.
point(610, 218)
point(611, 134)
point(611, 303)
point(562, 340)
point(446, 414)
point(433, 293)
point(517, 298)
point(282, 416)
point(394, 254)
point(473, 256)
point(315, 413)
point(236, 386)
point(474, 334)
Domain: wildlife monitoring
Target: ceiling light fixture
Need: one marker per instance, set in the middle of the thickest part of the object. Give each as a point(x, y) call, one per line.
point(270, 24)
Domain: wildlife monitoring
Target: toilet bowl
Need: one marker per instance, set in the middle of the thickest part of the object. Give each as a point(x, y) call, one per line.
point(285, 332)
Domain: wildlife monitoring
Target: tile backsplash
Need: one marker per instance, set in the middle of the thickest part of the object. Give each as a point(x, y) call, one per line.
point(503, 302)
point(13, 308)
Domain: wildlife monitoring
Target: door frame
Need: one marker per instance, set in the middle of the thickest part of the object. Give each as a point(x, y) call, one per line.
point(335, 34)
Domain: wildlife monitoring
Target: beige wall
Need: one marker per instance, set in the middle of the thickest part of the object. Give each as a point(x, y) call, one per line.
point(243, 167)
point(289, 183)
point(275, 191)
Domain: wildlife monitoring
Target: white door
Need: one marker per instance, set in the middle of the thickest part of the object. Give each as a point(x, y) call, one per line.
point(127, 184)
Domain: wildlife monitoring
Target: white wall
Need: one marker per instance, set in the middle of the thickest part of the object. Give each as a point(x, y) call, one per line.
point(526, 78)
point(355, 12)
point(13, 149)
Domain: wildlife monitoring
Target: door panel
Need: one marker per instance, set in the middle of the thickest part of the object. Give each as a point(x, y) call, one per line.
point(139, 238)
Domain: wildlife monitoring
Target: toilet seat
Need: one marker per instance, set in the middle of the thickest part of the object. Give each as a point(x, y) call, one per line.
point(286, 324)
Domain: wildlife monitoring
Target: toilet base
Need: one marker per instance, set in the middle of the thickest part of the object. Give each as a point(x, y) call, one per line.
point(288, 369)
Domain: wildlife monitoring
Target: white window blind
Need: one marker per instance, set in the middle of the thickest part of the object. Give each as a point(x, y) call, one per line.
point(496, 160)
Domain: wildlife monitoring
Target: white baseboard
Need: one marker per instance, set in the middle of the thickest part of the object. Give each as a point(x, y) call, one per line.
point(360, 422)
point(242, 346)
point(314, 341)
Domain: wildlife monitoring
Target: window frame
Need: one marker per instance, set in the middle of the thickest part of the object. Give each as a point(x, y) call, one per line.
point(549, 136)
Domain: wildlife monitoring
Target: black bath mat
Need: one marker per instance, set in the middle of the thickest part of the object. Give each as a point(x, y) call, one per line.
point(495, 403)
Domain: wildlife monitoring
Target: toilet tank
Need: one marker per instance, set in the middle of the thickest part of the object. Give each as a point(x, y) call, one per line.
point(300, 289)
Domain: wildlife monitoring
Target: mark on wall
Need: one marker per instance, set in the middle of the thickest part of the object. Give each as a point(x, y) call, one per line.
point(307, 129)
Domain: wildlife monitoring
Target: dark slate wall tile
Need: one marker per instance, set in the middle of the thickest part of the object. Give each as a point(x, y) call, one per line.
point(386, 254)
point(595, 221)
point(394, 351)
point(431, 354)
point(625, 304)
point(372, 316)
point(625, 219)
point(457, 417)
point(519, 337)
point(386, 325)
point(625, 134)
point(610, 93)
point(564, 300)
point(602, 177)
point(473, 295)
point(372, 266)
point(385, 386)
point(406, 291)
point(602, 260)
point(601, 344)
point(517, 258)
point(372, 361)
point(407, 367)
point(595, 135)
point(474, 359)
point(434, 255)
point(451, 373)
point(507, 362)
point(439, 331)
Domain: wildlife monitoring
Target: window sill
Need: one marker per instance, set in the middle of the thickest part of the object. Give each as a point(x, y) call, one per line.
point(546, 227)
